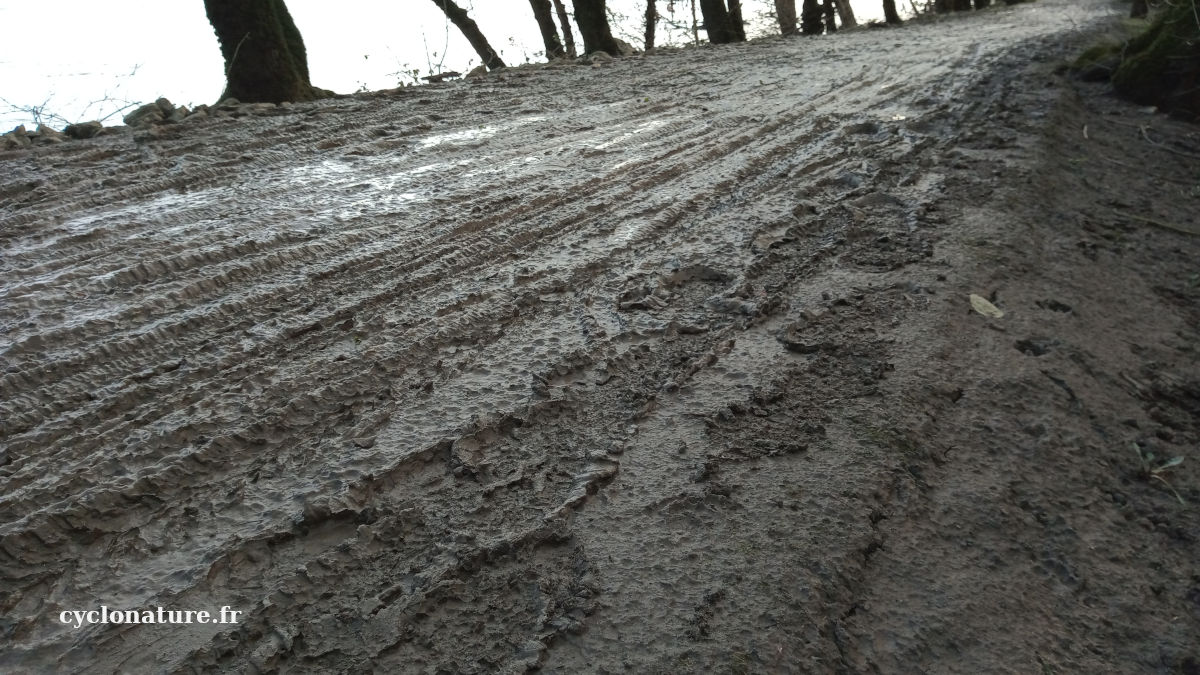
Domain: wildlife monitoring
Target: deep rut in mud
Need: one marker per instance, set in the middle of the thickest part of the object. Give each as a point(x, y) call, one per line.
point(571, 367)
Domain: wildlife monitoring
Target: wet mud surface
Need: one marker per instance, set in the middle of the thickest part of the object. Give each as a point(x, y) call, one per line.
point(660, 365)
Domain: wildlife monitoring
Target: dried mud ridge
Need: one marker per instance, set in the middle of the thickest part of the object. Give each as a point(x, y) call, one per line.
point(646, 367)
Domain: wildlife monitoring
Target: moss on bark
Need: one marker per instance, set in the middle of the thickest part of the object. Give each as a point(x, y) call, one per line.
point(1161, 66)
point(265, 60)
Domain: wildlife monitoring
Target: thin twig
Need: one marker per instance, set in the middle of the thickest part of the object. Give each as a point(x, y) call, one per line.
point(233, 58)
point(1169, 226)
point(1169, 149)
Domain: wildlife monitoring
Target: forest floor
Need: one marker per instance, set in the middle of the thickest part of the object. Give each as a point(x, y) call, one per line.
point(664, 364)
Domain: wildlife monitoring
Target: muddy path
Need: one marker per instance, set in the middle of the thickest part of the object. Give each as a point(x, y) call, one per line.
point(595, 368)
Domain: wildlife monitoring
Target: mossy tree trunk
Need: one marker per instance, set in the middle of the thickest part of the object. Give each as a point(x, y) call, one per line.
point(651, 20)
point(735, 20)
point(785, 12)
point(542, 12)
point(810, 18)
point(265, 60)
point(470, 30)
point(830, 15)
point(845, 13)
point(592, 18)
point(568, 34)
point(717, 22)
point(890, 14)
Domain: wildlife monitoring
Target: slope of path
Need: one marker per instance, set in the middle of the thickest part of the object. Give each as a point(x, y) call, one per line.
point(348, 364)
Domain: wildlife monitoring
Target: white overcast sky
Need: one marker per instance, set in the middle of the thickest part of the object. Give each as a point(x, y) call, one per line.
point(67, 53)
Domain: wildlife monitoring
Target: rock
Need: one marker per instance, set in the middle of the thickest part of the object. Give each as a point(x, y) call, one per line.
point(83, 129)
point(178, 115)
point(47, 135)
point(17, 138)
point(165, 106)
point(442, 77)
point(145, 115)
point(197, 116)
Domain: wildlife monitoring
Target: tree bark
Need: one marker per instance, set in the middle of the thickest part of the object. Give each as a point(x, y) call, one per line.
point(982, 4)
point(735, 18)
point(810, 18)
point(716, 22)
point(545, 21)
point(265, 60)
point(470, 30)
point(890, 14)
point(568, 35)
point(785, 13)
point(845, 13)
point(651, 20)
point(592, 19)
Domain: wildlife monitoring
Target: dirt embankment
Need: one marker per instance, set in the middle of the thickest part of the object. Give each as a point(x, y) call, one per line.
point(661, 365)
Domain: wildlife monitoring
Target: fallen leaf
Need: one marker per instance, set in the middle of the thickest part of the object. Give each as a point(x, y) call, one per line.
point(979, 304)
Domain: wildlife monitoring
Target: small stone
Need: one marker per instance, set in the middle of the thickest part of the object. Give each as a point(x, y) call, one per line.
point(47, 135)
point(83, 129)
point(145, 115)
point(18, 136)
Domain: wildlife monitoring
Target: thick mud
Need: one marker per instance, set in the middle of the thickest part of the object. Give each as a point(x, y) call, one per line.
point(661, 364)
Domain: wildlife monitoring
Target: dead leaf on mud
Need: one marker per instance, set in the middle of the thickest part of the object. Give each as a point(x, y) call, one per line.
point(981, 305)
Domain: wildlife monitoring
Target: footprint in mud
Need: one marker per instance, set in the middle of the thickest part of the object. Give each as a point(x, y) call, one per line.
point(647, 295)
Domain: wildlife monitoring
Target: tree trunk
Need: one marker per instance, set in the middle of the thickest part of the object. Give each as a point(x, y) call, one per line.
point(458, 16)
point(785, 12)
point(889, 13)
point(592, 19)
point(830, 18)
point(545, 21)
point(716, 22)
point(982, 4)
point(265, 60)
point(1140, 9)
point(810, 18)
point(845, 13)
point(962, 5)
point(651, 19)
point(568, 35)
point(735, 18)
